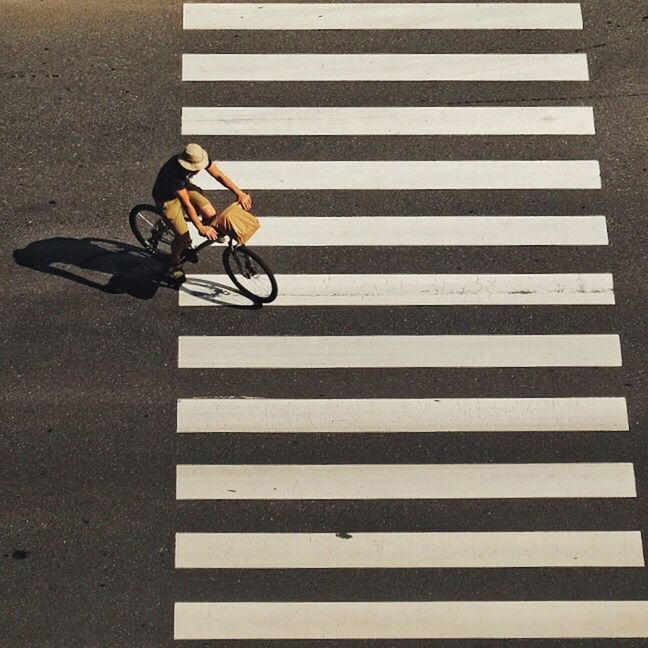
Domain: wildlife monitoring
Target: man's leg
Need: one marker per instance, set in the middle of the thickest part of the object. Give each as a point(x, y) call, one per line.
point(174, 215)
point(179, 245)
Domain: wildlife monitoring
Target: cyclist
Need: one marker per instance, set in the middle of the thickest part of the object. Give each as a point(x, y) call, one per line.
point(179, 199)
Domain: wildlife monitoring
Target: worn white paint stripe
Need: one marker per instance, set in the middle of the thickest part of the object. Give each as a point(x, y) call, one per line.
point(408, 550)
point(413, 620)
point(408, 174)
point(312, 16)
point(404, 481)
point(371, 120)
point(360, 351)
point(313, 231)
point(411, 290)
point(353, 415)
point(384, 67)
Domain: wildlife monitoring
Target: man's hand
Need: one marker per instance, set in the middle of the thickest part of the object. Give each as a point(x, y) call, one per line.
point(245, 200)
point(208, 232)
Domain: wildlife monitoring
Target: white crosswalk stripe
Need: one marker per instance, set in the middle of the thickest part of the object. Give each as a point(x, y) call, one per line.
point(408, 550)
point(413, 620)
point(411, 290)
point(461, 15)
point(384, 67)
point(252, 475)
point(404, 481)
point(368, 120)
point(314, 231)
point(407, 174)
point(309, 352)
point(356, 416)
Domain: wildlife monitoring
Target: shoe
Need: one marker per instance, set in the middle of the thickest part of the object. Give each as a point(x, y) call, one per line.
point(190, 256)
point(177, 275)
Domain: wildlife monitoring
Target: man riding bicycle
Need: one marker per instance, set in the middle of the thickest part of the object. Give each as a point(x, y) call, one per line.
point(178, 198)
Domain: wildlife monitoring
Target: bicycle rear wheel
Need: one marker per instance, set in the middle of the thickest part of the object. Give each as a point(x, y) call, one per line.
point(250, 274)
point(150, 229)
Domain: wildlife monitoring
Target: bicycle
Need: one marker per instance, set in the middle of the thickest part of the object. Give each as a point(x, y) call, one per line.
point(247, 270)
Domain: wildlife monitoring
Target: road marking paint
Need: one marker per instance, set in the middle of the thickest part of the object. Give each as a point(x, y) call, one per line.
point(408, 550)
point(409, 175)
point(271, 415)
point(385, 67)
point(413, 620)
point(314, 231)
point(365, 351)
point(371, 120)
point(405, 481)
point(411, 290)
point(462, 15)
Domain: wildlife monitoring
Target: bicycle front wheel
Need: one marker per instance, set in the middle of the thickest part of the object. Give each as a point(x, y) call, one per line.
point(150, 229)
point(250, 274)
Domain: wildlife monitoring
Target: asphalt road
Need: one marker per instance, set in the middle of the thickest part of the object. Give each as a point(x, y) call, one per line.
point(92, 100)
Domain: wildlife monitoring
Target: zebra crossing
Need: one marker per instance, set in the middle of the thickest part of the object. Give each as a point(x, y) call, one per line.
point(402, 415)
point(472, 15)
point(412, 290)
point(328, 352)
point(396, 481)
point(368, 120)
point(316, 231)
point(413, 550)
point(335, 175)
point(201, 421)
point(384, 67)
point(413, 620)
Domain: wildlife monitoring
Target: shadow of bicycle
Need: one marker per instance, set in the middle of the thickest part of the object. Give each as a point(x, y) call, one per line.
point(197, 291)
point(105, 265)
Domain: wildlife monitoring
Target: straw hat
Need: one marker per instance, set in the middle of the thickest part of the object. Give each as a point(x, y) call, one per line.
point(194, 158)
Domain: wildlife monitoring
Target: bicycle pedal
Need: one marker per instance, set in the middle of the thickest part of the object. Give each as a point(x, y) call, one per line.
point(190, 256)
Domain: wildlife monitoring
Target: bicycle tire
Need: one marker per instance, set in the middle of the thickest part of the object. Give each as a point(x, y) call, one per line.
point(144, 229)
point(232, 261)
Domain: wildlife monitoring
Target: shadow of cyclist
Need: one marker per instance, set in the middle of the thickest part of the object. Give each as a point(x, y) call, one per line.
point(108, 266)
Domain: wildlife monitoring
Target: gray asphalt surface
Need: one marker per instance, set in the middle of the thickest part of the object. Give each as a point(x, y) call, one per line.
point(91, 106)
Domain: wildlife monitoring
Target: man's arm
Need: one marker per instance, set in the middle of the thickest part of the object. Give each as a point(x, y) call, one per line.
point(244, 199)
point(206, 231)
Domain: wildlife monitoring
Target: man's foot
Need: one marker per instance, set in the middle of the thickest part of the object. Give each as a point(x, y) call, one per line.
point(177, 275)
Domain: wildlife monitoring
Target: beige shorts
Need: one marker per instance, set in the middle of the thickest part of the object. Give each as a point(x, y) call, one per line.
point(175, 215)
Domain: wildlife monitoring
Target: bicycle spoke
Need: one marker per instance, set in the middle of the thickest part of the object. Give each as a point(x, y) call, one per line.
point(150, 229)
point(152, 223)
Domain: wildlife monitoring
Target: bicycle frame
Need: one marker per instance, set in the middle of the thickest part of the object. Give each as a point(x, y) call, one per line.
point(197, 241)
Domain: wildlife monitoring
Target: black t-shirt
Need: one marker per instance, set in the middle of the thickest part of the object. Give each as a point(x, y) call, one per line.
point(170, 179)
